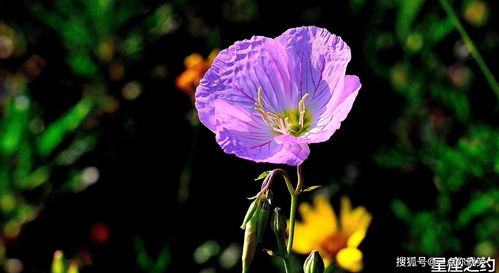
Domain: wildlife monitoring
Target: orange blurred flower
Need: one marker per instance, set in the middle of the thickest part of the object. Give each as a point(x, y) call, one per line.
point(195, 67)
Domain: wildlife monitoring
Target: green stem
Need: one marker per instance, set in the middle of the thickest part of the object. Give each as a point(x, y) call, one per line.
point(289, 185)
point(292, 215)
point(293, 192)
point(471, 46)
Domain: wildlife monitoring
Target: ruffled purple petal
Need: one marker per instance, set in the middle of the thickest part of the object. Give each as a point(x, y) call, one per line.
point(318, 64)
point(239, 133)
point(341, 105)
point(290, 154)
point(290, 139)
point(238, 72)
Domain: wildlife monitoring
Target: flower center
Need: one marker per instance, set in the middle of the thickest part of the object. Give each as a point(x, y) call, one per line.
point(294, 122)
point(334, 243)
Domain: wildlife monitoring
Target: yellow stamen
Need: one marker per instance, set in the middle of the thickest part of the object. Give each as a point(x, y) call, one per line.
point(278, 123)
point(264, 115)
point(260, 96)
point(302, 109)
point(260, 109)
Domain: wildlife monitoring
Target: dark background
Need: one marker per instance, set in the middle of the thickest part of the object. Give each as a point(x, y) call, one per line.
point(401, 141)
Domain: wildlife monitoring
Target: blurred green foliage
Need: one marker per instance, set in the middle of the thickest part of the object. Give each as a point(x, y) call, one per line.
point(98, 36)
point(436, 129)
point(30, 151)
point(214, 257)
point(88, 30)
point(148, 263)
point(99, 42)
point(62, 265)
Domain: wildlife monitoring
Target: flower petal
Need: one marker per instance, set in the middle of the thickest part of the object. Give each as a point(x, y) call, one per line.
point(247, 136)
point(356, 238)
point(341, 104)
point(290, 154)
point(239, 71)
point(353, 220)
point(289, 139)
point(320, 217)
point(305, 240)
point(350, 259)
point(318, 61)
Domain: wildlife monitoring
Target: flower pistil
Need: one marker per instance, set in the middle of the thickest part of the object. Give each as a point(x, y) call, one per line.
point(282, 124)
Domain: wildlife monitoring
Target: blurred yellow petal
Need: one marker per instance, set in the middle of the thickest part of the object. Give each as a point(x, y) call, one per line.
point(350, 259)
point(305, 240)
point(356, 238)
point(346, 208)
point(319, 223)
point(320, 217)
point(353, 220)
point(324, 208)
point(320, 230)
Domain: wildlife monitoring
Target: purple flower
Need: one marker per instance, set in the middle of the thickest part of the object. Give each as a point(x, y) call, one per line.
point(267, 99)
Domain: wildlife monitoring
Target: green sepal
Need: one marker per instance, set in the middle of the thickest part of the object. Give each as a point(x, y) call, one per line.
point(251, 211)
point(278, 225)
point(311, 188)
point(262, 175)
point(263, 216)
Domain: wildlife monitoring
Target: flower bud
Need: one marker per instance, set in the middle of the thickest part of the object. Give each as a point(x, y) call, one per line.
point(278, 221)
point(254, 224)
point(278, 225)
point(313, 263)
point(251, 210)
point(57, 262)
point(250, 243)
point(263, 217)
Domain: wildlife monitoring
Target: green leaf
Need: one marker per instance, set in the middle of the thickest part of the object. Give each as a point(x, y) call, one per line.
point(401, 210)
point(311, 188)
point(36, 178)
point(263, 175)
point(481, 203)
point(14, 124)
point(164, 259)
point(143, 259)
point(57, 131)
point(82, 64)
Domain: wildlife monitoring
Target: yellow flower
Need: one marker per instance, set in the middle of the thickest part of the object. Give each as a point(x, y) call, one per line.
point(336, 239)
